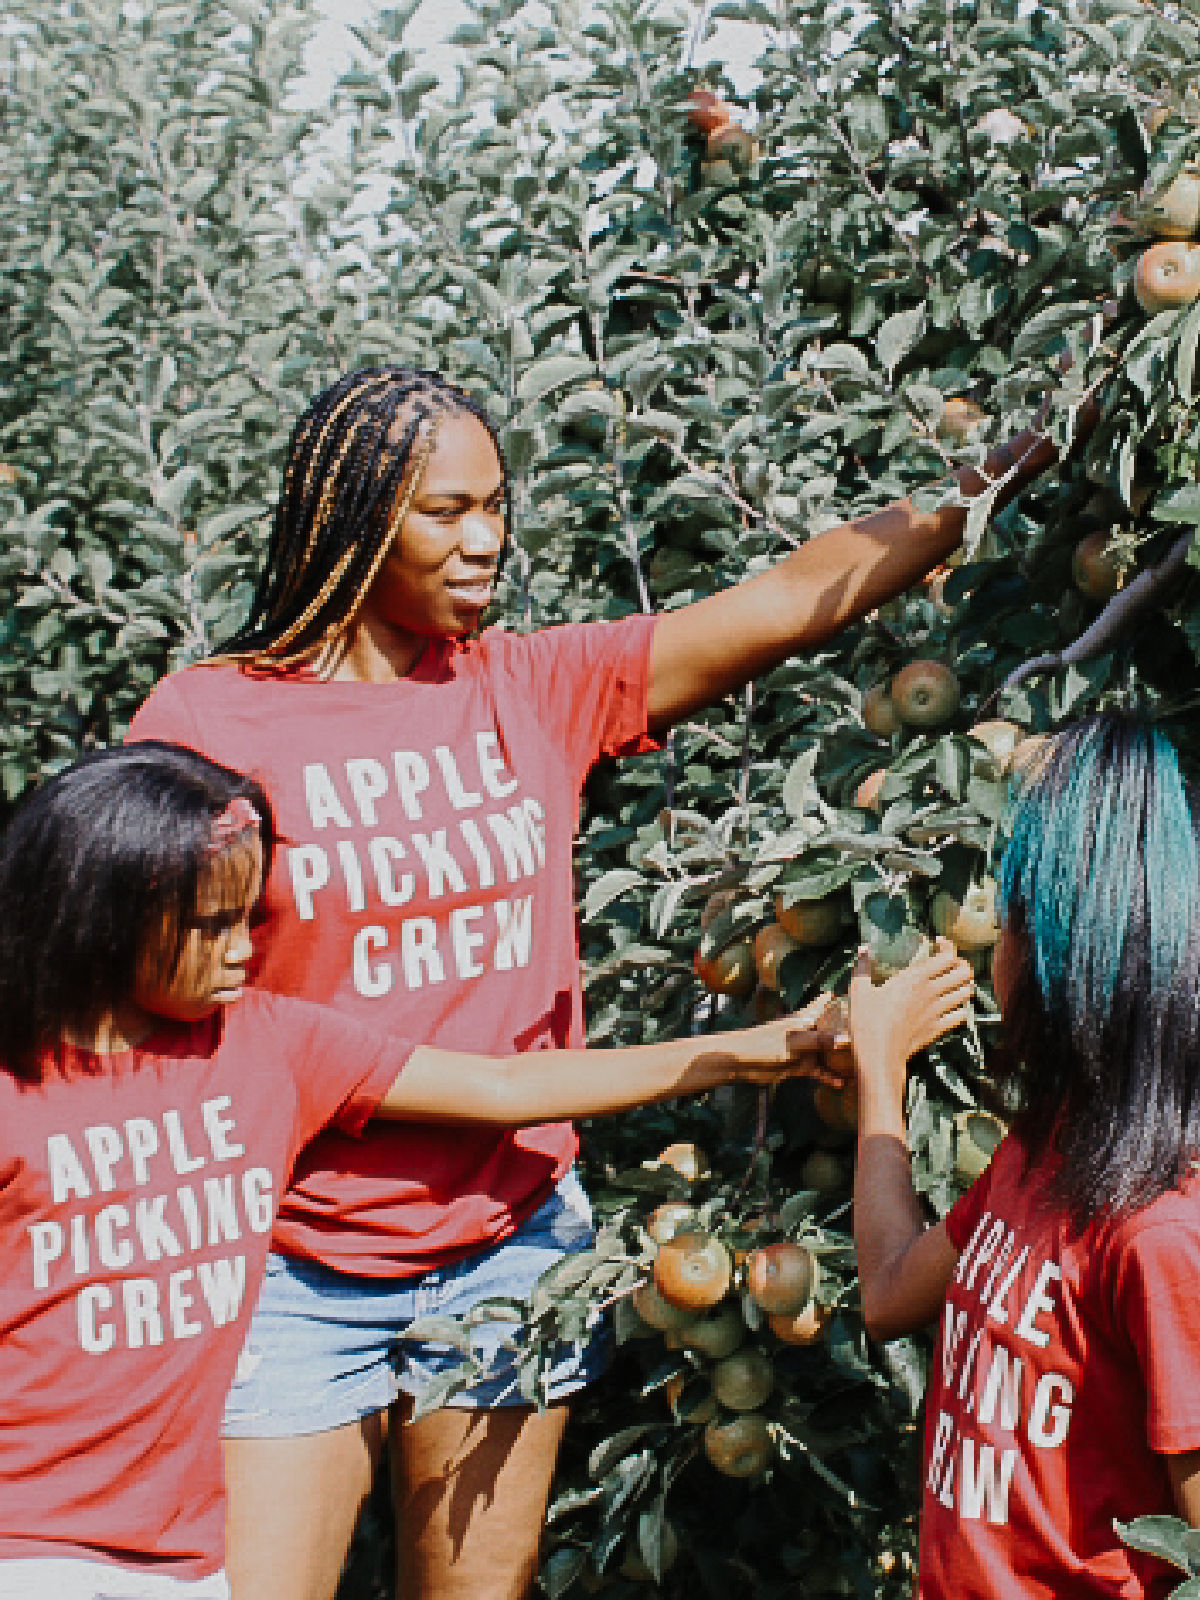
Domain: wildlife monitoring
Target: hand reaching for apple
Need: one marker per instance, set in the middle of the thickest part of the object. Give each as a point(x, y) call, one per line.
point(812, 1043)
point(890, 1022)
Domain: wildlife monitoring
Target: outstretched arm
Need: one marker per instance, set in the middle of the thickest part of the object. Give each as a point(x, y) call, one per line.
point(904, 1266)
point(549, 1085)
point(706, 650)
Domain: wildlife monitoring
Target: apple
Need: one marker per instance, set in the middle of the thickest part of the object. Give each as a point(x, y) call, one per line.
point(707, 111)
point(730, 972)
point(780, 1277)
point(658, 1313)
point(926, 693)
point(717, 1336)
point(1095, 567)
point(688, 1160)
point(732, 144)
point(869, 794)
point(823, 1172)
point(804, 1327)
point(742, 1381)
point(692, 1270)
point(977, 1134)
point(970, 922)
point(741, 1447)
point(814, 922)
point(771, 945)
point(1167, 276)
point(696, 1407)
point(879, 714)
point(961, 421)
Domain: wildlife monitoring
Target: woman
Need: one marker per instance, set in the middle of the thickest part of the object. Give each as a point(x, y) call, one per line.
point(426, 783)
point(1064, 1397)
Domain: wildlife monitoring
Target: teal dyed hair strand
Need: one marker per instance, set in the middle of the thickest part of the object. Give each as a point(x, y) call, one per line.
point(1089, 857)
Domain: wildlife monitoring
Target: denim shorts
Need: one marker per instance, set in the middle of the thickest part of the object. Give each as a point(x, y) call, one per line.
point(325, 1348)
point(56, 1579)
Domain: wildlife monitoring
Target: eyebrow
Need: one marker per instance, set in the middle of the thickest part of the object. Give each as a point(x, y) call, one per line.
point(462, 496)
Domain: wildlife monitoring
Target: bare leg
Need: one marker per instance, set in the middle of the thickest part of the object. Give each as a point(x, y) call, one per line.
point(470, 1489)
point(292, 1506)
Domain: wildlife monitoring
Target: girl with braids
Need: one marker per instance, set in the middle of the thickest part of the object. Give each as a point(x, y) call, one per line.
point(1065, 1391)
point(426, 780)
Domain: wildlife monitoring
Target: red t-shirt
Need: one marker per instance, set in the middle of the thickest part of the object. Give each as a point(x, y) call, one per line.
point(136, 1202)
point(1067, 1367)
point(424, 883)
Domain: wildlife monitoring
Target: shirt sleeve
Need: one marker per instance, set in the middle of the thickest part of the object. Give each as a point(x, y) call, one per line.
point(962, 1219)
point(166, 714)
point(341, 1070)
point(1156, 1271)
point(589, 684)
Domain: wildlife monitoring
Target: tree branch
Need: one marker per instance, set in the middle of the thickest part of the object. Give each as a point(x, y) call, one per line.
point(1146, 592)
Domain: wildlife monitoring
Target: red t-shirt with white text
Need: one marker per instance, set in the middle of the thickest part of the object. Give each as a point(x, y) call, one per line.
point(1068, 1366)
point(137, 1198)
point(424, 883)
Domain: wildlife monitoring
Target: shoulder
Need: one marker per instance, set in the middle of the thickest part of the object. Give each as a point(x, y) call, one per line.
point(584, 644)
point(184, 696)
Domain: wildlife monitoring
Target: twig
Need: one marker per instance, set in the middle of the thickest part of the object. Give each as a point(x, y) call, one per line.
point(1119, 615)
point(730, 493)
point(864, 177)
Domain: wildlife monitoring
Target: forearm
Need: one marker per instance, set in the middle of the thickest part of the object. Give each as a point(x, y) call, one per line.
point(550, 1085)
point(888, 1220)
point(707, 650)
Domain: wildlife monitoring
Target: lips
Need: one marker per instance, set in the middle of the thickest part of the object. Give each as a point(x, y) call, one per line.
point(475, 592)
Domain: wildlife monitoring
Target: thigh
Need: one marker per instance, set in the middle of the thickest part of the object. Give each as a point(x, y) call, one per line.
point(470, 1489)
point(291, 1508)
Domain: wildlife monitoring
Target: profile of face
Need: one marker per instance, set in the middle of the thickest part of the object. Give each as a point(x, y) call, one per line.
point(439, 575)
point(216, 946)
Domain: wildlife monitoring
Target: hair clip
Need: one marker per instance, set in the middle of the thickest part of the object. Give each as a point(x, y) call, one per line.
point(237, 816)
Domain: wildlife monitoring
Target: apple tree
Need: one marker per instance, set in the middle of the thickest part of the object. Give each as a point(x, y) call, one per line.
point(710, 330)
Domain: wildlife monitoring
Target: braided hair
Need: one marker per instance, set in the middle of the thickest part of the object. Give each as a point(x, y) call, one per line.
point(346, 490)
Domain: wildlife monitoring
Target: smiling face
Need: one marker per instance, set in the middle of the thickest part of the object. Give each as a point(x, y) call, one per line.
point(214, 946)
point(440, 572)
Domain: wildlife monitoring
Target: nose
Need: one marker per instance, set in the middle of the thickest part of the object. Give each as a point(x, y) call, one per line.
point(481, 535)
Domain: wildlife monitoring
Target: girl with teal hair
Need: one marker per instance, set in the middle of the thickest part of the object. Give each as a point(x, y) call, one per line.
point(1065, 1390)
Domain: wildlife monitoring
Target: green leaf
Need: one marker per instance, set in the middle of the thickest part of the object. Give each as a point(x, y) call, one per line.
point(1164, 1537)
point(799, 788)
point(898, 337)
point(552, 372)
point(440, 1330)
point(565, 1565)
point(1049, 325)
point(608, 888)
point(1183, 505)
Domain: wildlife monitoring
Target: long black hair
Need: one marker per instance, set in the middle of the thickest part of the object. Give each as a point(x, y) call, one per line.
point(1100, 887)
point(101, 858)
point(346, 489)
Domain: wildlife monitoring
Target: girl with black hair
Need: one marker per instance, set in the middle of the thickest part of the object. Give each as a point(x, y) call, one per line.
point(148, 1125)
point(1065, 1389)
point(427, 781)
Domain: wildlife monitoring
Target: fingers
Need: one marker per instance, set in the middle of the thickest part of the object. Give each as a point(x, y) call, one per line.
point(861, 971)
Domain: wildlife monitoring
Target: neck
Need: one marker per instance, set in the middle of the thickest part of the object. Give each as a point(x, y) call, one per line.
point(376, 652)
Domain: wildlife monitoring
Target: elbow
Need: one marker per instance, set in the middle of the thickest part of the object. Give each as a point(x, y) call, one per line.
point(884, 1318)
